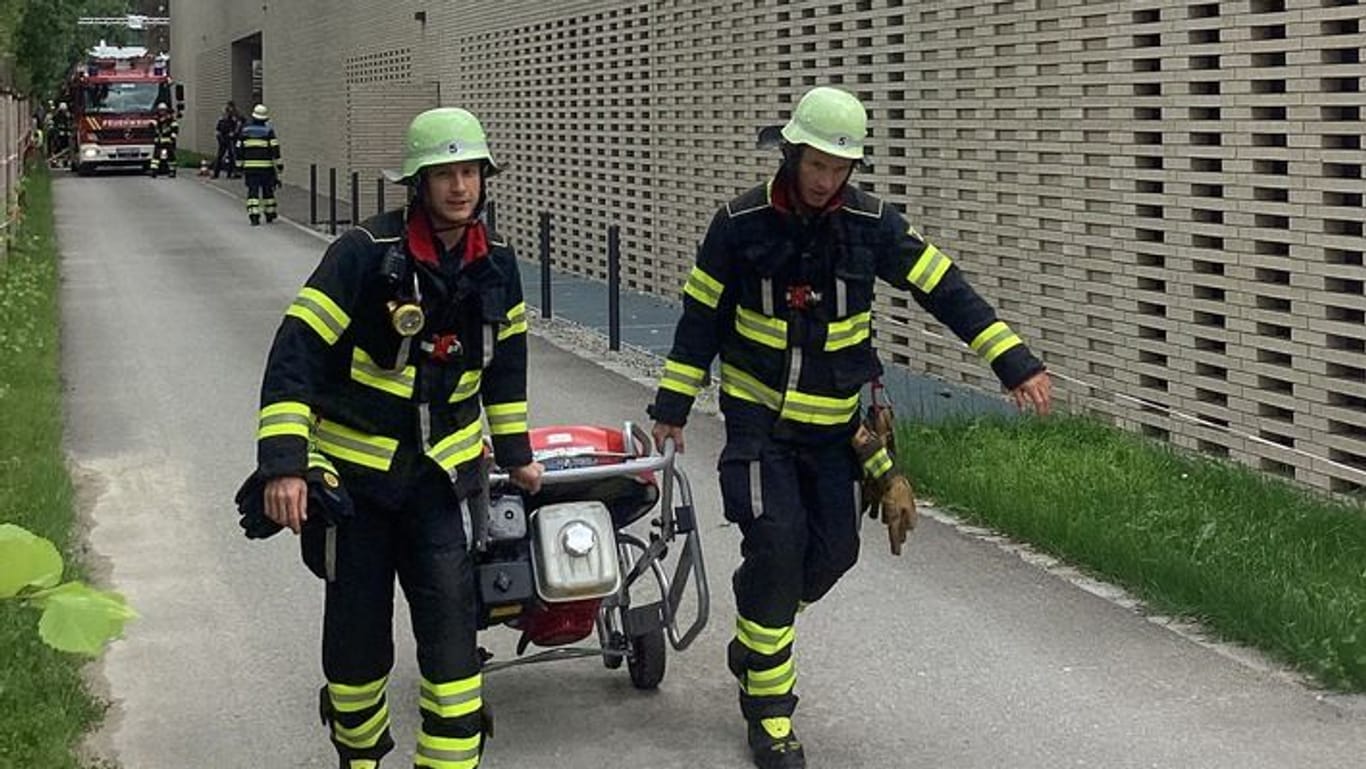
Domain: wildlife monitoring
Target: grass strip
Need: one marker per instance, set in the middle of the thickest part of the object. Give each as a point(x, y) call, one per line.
point(1257, 560)
point(46, 708)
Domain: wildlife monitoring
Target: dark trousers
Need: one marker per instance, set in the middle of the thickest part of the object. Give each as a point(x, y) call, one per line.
point(261, 194)
point(423, 544)
point(797, 508)
point(224, 160)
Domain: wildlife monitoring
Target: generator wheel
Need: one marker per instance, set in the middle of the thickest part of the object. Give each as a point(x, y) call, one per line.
point(646, 662)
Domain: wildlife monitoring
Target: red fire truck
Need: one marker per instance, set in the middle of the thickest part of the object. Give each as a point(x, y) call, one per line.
point(113, 96)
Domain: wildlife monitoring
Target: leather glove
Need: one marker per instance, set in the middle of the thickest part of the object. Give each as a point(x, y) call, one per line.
point(898, 509)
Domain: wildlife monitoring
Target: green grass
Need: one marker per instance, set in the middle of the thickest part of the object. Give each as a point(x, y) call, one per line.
point(45, 707)
point(1257, 560)
point(190, 159)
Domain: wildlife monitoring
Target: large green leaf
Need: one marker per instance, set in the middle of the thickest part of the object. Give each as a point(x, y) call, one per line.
point(80, 619)
point(26, 560)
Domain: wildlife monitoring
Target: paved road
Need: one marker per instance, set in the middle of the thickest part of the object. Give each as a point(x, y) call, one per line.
point(957, 655)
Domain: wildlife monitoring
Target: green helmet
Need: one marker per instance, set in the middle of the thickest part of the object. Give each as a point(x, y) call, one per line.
point(831, 120)
point(439, 136)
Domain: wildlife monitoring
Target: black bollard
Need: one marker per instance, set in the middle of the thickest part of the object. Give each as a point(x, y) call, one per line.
point(313, 194)
point(545, 265)
point(355, 198)
point(614, 287)
point(332, 200)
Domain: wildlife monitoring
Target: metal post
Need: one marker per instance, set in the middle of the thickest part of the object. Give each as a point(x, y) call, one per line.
point(545, 264)
point(355, 198)
point(614, 287)
point(379, 195)
point(332, 200)
point(313, 194)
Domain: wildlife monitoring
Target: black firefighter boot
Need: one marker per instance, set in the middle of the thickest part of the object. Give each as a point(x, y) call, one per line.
point(255, 219)
point(774, 745)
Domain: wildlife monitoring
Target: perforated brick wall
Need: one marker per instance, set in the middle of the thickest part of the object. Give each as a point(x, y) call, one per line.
point(1165, 198)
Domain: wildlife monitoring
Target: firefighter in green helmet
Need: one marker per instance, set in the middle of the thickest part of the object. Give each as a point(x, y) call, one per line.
point(783, 292)
point(410, 327)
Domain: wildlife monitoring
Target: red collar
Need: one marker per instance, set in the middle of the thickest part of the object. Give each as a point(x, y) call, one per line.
point(422, 241)
point(781, 194)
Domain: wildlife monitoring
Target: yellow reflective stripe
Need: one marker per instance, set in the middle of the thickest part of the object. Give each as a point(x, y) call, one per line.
point(818, 409)
point(285, 418)
point(682, 378)
point(995, 340)
point(459, 447)
point(257, 163)
point(467, 386)
point(341, 442)
point(772, 682)
point(453, 699)
point(321, 314)
point(255, 142)
point(365, 735)
point(760, 328)
point(507, 418)
point(848, 332)
point(929, 268)
point(446, 752)
point(878, 464)
point(516, 322)
point(350, 698)
point(764, 640)
point(703, 287)
point(367, 372)
point(739, 384)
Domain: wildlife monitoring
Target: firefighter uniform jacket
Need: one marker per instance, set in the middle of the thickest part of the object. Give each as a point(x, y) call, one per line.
point(167, 131)
point(342, 381)
point(787, 302)
point(258, 150)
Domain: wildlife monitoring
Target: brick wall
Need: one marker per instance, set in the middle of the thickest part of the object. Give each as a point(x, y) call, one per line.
point(1164, 197)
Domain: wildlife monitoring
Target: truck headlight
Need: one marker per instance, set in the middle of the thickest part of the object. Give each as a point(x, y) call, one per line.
point(91, 152)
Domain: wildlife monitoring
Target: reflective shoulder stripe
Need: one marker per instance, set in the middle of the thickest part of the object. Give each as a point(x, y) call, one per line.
point(682, 378)
point(995, 340)
point(703, 287)
point(929, 268)
point(467, 386)
point(285, 418)
point(751, 201)
point(507, 418)
point(320, 313)
point(342, 442)
point(756, 327)
point(367, 372)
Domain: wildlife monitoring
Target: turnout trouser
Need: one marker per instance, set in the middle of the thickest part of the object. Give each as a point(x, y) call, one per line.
point(423, 543)
point(260, 194)
point(797, 508)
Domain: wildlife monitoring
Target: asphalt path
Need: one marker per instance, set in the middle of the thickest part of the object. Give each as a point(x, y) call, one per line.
point(958, 654)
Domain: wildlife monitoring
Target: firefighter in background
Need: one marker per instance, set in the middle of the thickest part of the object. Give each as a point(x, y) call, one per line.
point(410, 323)
point(164, 146)
point(258, 157)
point(783, 290)
point(62, 128)
point(226, 131)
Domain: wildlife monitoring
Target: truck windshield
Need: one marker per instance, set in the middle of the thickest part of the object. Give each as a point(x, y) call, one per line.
point(122, 97)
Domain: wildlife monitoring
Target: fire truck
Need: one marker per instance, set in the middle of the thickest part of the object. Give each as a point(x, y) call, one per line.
point(113, 96)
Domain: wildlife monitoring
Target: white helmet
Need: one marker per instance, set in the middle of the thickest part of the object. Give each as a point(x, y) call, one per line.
point(161, 106)
point(260, 112)
point(62, 107)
